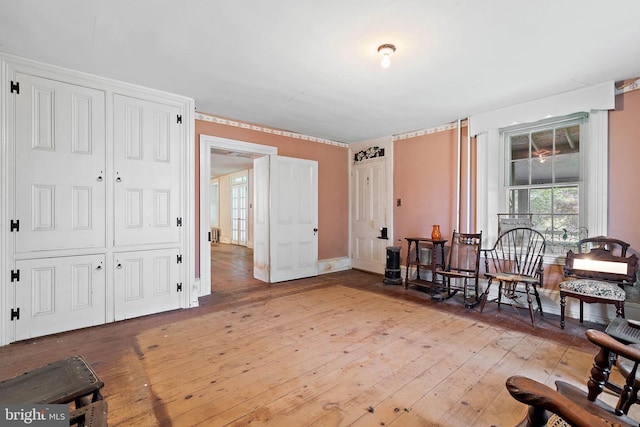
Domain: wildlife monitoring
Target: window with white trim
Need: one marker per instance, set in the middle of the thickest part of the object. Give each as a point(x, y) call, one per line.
point(544, 177)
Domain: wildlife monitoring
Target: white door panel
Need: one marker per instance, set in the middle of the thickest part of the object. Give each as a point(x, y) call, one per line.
point(60, 165)
point(59, 294)
point(294, 218)
point(369, 214)
point(285, 219)
point(147, 156)
point(146, 282)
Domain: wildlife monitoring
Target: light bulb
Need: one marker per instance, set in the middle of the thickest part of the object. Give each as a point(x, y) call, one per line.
point(386, 61)
point(386, 50)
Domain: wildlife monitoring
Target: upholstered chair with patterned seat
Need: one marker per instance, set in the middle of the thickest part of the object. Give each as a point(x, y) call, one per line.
point(598, 274)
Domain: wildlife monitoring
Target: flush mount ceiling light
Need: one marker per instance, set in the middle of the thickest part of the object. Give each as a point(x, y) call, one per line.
point(386, 50)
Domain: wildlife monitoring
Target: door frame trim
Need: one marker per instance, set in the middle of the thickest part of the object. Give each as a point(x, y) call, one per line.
point(206, 143)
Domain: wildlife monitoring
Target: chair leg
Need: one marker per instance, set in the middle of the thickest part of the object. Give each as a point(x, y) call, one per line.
point(537, 294)
point(530, 302)
point(600, 372)
point(485, 295)
point(581, 312)
point(620, 309)
point(563, 303)
point(446, 283)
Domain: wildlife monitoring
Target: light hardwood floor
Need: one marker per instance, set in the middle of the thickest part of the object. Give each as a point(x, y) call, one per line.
point(340, 349)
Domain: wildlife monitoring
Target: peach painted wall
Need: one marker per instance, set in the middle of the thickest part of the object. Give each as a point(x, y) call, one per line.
point(424, 178)
point(624, 159)
point(333, 182)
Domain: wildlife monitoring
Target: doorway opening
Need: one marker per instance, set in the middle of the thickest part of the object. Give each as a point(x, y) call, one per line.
point(223, 157)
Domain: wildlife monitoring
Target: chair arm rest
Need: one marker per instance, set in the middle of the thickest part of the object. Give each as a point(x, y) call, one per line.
point(540, 396)
point(603, 340)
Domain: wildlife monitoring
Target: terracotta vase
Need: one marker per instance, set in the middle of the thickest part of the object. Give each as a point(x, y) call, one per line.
point(435, 233)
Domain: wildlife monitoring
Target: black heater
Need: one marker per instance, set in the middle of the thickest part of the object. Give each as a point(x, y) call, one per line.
point(392, 271)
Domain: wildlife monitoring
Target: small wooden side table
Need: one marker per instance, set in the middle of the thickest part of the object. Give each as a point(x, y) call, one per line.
point(437, 261)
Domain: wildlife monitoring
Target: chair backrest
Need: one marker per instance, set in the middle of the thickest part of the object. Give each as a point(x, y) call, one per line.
point(601, 244)
point(601, 265)
point(509, 221)
point(464, 253)
point(519, 251)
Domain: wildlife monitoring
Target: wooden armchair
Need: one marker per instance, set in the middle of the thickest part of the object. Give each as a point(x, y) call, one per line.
point(515, 262)
point(574, 406)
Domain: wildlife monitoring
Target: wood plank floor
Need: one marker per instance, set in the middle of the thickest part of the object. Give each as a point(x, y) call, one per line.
point(341, 349)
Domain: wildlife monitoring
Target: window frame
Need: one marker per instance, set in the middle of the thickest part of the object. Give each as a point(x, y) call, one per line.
point(579, 119)
point(491, 180)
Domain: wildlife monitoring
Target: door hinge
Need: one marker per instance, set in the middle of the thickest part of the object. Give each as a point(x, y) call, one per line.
point(15, 275)
point(179, 222)
point(15, 314)
point(179, 259)
point(209, 236)
point(15, 87)
point(179, 119)
point(179, 287)
point(15, 225)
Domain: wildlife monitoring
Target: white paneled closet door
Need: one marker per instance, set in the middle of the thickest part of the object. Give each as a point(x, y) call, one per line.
point(59, 165)
point(96, 180)
point(59, 294)
point(147, 282)
point(147, 175)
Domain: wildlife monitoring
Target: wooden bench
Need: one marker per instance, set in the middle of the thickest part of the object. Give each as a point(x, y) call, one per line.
point(597, 277)
point(63, 381)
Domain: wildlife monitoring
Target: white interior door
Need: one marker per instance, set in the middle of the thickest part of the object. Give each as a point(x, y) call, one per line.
point(293, 218)
point(59, 165)
point(369, 214)
point(286, 218)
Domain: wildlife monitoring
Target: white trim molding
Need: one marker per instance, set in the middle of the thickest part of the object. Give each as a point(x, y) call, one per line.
point(333, 265)
point(427, 131)
point(242, 125)
point(596, 97)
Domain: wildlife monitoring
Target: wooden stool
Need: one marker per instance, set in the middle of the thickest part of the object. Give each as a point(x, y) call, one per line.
point(63, 381)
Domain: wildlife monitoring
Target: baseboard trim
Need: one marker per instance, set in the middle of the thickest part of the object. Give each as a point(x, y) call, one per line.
point(333, 265)
point(550, 300)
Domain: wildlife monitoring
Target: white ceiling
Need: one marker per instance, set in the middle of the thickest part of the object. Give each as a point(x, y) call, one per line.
point(226, 162)
point(312, 66)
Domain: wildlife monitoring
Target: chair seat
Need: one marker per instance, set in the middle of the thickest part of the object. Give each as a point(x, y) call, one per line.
point(593, 288)
point(514, 277)
point(557, 421)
